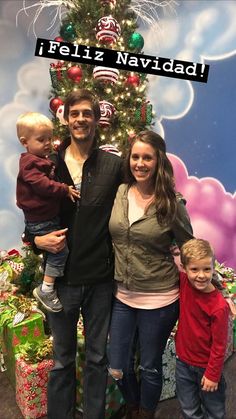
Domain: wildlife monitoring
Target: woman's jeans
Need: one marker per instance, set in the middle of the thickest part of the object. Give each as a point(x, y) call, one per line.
point(94, 302)
point(196, 403)
point(148, 330)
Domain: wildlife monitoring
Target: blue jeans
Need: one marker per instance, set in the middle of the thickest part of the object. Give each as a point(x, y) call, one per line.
point(195, 403)
point(94, 302)
point(54, 263)
point(150, 330)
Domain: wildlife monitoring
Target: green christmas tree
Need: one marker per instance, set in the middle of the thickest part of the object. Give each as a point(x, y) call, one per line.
point(122, 94)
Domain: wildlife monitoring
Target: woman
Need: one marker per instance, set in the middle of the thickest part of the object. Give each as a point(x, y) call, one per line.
point(147, 216)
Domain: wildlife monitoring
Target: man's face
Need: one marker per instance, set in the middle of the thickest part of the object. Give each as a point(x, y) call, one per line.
point(82, 122)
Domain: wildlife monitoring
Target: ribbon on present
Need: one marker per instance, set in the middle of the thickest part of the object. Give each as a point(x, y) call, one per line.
point(15, 309)
point(33, 352)
point(6, 255)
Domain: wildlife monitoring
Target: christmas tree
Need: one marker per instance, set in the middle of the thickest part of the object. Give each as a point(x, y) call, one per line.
point(104, 24)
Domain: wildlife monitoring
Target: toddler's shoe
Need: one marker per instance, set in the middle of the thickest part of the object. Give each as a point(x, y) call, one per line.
point(49, 300)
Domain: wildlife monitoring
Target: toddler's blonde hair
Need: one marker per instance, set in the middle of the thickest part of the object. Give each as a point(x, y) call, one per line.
point(29, 121)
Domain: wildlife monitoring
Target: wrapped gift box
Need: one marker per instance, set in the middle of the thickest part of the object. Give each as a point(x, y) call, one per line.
point(168, 368)
point(234, 335)
point(230, 341)
point(57, 73)
point(31, 387)
point(114, 398)
point(231, 285)
point(29, 330)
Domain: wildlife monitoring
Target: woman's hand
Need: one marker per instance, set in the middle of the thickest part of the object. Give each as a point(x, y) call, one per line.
point(52, 242)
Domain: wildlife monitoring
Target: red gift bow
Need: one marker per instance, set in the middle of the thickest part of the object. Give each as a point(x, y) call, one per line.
point(11, 253)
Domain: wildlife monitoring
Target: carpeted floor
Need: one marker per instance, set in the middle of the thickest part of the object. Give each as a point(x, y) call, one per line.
point(168, 409)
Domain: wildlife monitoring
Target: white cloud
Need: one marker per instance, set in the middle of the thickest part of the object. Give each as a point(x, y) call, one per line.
point(11, 227)
point(201, 29)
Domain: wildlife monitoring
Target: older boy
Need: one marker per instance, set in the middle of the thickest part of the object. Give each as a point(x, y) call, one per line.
point(202, 335)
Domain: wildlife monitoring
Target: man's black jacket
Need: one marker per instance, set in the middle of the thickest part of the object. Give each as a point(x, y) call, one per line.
point(90, 258)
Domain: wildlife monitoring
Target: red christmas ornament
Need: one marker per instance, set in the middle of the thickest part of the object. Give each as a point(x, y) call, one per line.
point(133, 79)
point(54, 103)
point(107, 110)
point(107, 30)
point(74, 73)
point(105, 74)
point(59, 39)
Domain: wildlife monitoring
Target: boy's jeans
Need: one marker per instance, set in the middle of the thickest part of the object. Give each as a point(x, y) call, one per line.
point(195, 403)
point(55, 262)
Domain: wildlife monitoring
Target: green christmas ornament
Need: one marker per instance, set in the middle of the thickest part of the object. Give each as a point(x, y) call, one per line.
point(67, 31)
point(136, 41)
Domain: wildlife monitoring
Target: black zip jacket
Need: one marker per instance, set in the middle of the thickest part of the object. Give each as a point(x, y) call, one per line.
point(90, 258)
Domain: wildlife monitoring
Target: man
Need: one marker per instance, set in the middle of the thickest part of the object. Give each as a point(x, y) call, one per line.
point(88, 280)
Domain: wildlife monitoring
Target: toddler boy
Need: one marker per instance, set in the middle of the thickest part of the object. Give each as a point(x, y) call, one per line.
point(39, 195)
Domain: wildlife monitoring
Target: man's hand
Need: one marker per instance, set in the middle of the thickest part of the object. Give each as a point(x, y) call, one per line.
point(52, 242)
point(208, 385)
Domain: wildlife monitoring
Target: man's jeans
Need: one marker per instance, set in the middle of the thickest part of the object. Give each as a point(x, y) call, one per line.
point(151, 328)
point(95, 304)
point(195, 403)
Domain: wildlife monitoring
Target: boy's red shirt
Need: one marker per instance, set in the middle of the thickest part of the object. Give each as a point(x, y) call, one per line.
point(202, 332)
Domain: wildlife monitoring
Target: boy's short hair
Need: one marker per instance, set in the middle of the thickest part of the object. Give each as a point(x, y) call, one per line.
point(196, 249)
point(79, 95)
point(29, 121)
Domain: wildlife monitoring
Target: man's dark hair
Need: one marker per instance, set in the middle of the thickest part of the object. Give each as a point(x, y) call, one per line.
point(78, 96)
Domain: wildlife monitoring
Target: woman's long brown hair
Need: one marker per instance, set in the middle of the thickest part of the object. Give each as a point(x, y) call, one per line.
point(163, 180)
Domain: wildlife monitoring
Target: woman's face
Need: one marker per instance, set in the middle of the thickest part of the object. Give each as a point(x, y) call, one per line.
point(143, 162)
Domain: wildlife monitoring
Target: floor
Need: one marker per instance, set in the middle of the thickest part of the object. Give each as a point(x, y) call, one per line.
point(168, 409)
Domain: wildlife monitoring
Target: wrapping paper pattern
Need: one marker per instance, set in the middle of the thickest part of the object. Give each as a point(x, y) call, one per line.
point(168, 368)
point(29, 330)
point(234, 335)
point(230, 341)
point(31, 387)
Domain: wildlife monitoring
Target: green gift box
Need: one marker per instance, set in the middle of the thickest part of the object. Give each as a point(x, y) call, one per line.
point(231, 287)
point(29, 330)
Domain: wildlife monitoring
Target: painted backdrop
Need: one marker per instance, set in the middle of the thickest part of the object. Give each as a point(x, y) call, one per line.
point(196, 119)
